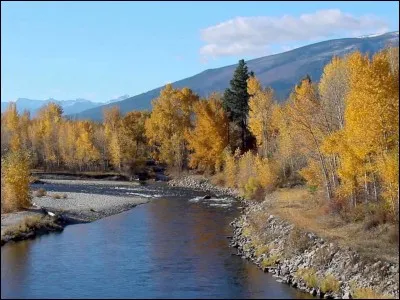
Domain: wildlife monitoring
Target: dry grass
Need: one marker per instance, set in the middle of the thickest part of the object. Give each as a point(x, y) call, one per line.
point(367, 293)
point(308, 212)
point(330, 284)
point(269, 261)
point(297, 242)
point(40, 193)
point(261, 249)
point(218, 179)
point(309, 276)
point(59, 196)
point(30, 224)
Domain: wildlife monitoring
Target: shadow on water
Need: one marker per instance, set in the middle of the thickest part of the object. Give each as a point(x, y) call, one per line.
point(168, 248)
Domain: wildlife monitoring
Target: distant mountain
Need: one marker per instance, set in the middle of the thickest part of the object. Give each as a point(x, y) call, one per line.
point(280, 71)
point(70, 107)
point(118, 99)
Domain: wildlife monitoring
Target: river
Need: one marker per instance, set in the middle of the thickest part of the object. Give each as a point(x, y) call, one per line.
point(175, 246)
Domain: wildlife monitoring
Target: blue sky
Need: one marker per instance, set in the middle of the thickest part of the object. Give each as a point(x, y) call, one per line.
point(102, 50)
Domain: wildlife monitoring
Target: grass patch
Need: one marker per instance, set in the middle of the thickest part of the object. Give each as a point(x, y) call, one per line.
point(297, 242)
point(308, 212)
point(368, 293)
point(309, 276)
point(330, 284)
point(31, 224)
point(246, 231)
point(269, 261)
point(261, 249)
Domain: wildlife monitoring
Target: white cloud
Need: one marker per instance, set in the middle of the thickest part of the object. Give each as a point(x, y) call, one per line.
point(254, 35)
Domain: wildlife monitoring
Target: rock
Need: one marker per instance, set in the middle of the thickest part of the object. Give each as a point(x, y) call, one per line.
point(320, 293)
point(284, 270)
point(313, 292)
point(347, 295)
point(207, 197)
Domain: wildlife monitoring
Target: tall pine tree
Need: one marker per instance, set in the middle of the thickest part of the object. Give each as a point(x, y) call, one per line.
point(236, 100)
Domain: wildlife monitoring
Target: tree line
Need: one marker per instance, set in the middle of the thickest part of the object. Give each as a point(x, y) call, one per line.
point(339, 134)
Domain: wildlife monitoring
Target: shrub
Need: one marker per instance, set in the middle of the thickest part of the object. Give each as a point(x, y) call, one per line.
point(262, 249)
point(394, 235)
point(322, 257)
point(230, 168)
point(40, 193)
point(330, 284)
point(312, 189)
point(267, 173)
point(297, 241)
point(312, 174)
point(309, 276)
point(15, 178)
point(367, 293)
point(56, 196)
point(251, 188)
point(246, 173)
point(219, 179)
point(269, 261)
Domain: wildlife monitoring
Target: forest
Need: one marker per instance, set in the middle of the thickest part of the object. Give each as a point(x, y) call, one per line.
point(338, 134)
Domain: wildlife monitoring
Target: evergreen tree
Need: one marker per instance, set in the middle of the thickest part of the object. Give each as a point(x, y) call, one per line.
point(236, 100)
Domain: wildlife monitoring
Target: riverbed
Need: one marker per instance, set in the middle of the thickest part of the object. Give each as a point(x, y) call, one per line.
point(175, 246)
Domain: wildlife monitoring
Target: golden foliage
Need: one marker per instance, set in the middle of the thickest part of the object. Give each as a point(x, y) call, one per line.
point(171, 116)
point(15, 178)
point(209, 137)
point(260, 115)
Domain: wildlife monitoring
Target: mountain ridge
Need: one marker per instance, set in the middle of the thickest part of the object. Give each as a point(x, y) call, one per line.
point(281, 71)
point(69, 106)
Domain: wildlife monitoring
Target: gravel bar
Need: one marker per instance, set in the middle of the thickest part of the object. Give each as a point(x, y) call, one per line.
point(82, 207)
point(90, 182)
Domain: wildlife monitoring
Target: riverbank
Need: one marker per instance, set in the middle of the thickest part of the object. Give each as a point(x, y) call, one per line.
point(51, 214)
point(303, 247)
point(201, 183)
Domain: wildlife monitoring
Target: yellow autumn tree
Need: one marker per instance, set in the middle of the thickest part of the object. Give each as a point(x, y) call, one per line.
point(15, 178)
point(372, 115)
point(171, 116)
point(11, 121)
point(260, 115)
point(86, 153)
point(49, 119)
point(230, 167)
point(112, 124)
point(208, 138)
point(307, 125)
point(133, 139)
point(68, 135)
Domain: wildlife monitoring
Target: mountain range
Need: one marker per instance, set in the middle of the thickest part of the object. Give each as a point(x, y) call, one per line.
point(279, 71)
point(70, 107)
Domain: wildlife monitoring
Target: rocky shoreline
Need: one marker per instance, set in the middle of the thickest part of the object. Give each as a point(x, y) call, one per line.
point(302, 259)
point(201, 183)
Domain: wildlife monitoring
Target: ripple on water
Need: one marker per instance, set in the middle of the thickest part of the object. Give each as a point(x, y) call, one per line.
point(144, 195)
point(216, 202)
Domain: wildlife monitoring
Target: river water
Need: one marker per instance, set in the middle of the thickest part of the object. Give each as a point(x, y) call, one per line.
point(175, 246)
